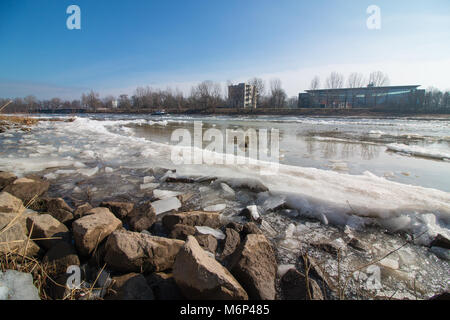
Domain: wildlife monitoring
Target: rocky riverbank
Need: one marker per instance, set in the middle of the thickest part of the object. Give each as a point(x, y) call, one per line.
point(161, 245)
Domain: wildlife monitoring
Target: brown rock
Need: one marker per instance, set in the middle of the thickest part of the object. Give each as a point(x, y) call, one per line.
point(251, 228)
point(45, 226)
point(9, 203)
point(254, 266)
point(82, 210)
point(440, 241)
point(61, 256)
point(181, 232)
point(293, 286)
point(232, 242)
point(60, 210)
point(132, 286)
point(207, 242)
point(6, 178)
point(91, 229)
point(164, 286)
point(26, 189)
point(13, 237)
point(201, 277)
point(142, 217)
point(119, 209)
point(128, 251)
point(194, 218)
point(235, 226)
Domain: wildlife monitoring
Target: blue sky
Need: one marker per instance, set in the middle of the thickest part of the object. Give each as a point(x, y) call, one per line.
point(124, 44)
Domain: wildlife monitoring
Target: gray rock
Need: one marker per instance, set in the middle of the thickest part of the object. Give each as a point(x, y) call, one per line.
point(294, 286)
point(119, 209)
point(194, 218)
point(27, 189)
point(10, 204)
point(14, 238)
point(131, 286)
point(142, 217)
point(6, 178)
point(45, 226)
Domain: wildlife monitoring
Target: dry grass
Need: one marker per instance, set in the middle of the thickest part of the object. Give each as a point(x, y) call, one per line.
point(27, 121)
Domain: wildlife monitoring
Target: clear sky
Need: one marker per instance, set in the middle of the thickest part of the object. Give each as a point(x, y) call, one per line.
point(125, 44)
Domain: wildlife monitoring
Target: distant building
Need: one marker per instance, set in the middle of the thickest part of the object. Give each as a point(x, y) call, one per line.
point(242, 96)
point(366, 97)
point(114, 104)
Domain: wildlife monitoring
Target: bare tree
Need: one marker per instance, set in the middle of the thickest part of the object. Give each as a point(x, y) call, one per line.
point(356, 80)
point(378, 79)
point(278, 95)
point(91, 100)
point(207, 95)
point(335, 81)
point(315, 83)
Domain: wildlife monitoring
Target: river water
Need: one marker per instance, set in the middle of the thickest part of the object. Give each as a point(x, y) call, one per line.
point(341, 175)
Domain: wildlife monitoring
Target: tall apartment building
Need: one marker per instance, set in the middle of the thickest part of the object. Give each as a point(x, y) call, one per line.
point(242, 96)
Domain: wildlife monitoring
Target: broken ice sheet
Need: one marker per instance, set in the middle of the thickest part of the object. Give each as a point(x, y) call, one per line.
point(214, 232)
point(164, 194)
point(169, 204)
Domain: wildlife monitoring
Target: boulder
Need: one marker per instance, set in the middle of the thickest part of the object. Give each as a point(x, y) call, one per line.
point(27, 189)
point(61, 256)
point(142, 217)
point(255, 267)
point(6, 178)
point(250, 228)
point(119, 209)
point(235, 226)
point(82, 210)
point(91, 229)
point(164, 286)
point(60, 210)
point(207, 242)
point(45, 226)
point(132, 286)
point(201, 277)
point(194, 218)
point(13, 237)
point(440, 241)
point(294, 287)
point(181, 232)
point(231, 243)
point(128, 251)
point(9, 203)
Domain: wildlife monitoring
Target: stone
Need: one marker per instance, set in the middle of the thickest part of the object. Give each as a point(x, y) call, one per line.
point(166, 205)
point(181, 232)
point(293, 286)
point(6, 178)
point(235, 226)
point(194, 218)
point(201, 277)
point(13, 238)
point(207, 242)
point(82, 210)
point(60, 210)
point(232, 242)
point(61, 256)
point(90, 230)
point(15, 285)
point(142, 217)
point(128, 251)
point(119, 209)
point(27, 189)
point(45, 226)
point(441, 253)
point(164, 286)
point(255, 267)
point(440, 241)
point(250, 228)
point(132, 286)
point(10, 204)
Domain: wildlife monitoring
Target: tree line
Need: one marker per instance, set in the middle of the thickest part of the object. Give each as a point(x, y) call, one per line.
point(209, 95)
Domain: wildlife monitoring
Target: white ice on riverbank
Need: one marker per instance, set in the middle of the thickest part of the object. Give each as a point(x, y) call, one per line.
point(16, 285)
point(419, 151)
point(337, 198)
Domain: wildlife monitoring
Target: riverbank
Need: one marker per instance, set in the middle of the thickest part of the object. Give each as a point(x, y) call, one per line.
point(95, 172)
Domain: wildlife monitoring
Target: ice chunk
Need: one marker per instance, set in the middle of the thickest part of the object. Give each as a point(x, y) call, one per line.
point(149, 179)
point(166, 205)
point(164, 194)
point(216, 233)
point(427, 152)
point(147, 186)
point(215, 208)
point(88, 172)
point(254, 212)
point(283, 268)
point(16, 285)
point(228, 191)
point(109, 170)
point(390, 263)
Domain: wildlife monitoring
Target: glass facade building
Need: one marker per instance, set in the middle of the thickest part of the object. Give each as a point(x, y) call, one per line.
point(366, 97)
